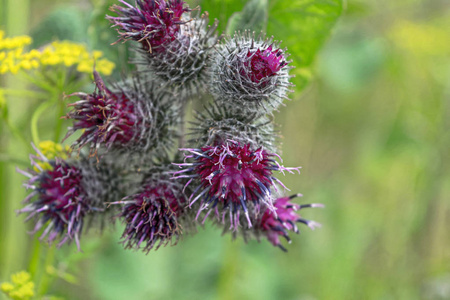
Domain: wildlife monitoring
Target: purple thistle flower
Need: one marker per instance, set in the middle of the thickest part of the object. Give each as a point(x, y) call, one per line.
point(153, 23)
point(233, 175)
point(250, 75)
point(64, 197)
point(132, 117)
point(275, 224)
point(152, 215)
point(184, 64)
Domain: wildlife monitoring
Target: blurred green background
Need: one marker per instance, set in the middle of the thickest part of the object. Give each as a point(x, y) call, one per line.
point(371, 132)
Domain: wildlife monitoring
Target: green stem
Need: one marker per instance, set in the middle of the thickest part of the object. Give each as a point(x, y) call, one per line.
point(13, 160)
point(59, 120)
point(16, 132)
point(227, 273)
point(33, 266)
point(26, 93)
point(35, 119)
point(60, 103)
point(46, 279)
point(40, 84)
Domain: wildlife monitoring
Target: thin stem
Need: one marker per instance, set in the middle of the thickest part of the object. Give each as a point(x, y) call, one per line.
point(33, 266)
point(13, 160)
point(59, 120)
point(16, 132)
point(46, 278)
point(60, 103)
point(40, 84)
point(26, 93)
point(35, 119)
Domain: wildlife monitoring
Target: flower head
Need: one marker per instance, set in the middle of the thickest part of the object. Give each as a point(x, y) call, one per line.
point(250, 75)
point(184, 63)
point(152, 215)
point(151, 22)
point(275, 224)
point(64, 194)
point(131, 117)
point(233, 175)
point(61, 202)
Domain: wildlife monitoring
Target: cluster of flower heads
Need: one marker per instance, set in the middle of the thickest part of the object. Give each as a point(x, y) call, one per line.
point(126, 136)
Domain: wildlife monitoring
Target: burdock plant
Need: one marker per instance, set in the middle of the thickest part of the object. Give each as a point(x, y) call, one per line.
point(135, 162)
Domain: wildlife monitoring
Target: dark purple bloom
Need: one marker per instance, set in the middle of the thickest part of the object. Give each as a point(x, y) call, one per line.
point(62, 199)
point(234, 176)
point(131, 116)
point(274, 224)
point(264, 63)
point(152, 216)
point(151, 22)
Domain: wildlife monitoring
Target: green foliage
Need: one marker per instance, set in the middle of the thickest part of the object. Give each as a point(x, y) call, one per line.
point(221, 10)
point(252, 17)
point(303, 26)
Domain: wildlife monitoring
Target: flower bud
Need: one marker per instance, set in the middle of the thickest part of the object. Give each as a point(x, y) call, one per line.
point(250, 75)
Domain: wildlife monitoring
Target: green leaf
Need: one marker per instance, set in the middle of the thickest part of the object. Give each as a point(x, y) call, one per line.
point(303, 26)
point(252, 17)
point(221, 10)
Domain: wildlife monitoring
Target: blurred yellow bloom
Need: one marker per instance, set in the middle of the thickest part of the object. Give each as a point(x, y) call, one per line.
point(20, 278)
point(14, 42)
point(105, 66)
point(21, 288)
point(13, 58)
point(52, 150)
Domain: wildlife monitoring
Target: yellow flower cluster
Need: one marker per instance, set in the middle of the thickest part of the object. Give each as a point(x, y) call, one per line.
point(13, 58)
point(21, 287)
point(14, 42)
point(51, 150)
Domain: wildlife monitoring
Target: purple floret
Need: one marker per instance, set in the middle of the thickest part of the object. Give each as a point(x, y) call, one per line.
point(284, 219)
point(153, 23)
point(233, 176)
point(151, 217)
point(61, 201)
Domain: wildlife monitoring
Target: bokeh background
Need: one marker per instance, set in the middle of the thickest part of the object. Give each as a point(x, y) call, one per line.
point(371, 132)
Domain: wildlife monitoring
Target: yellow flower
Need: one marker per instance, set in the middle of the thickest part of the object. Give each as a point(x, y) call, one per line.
point(52, 150)
point(13, 58)
point(21, 288)
point(20, 278)
point(6, 287)
point(105, 66)
point(85, 67)
point(14, 42)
